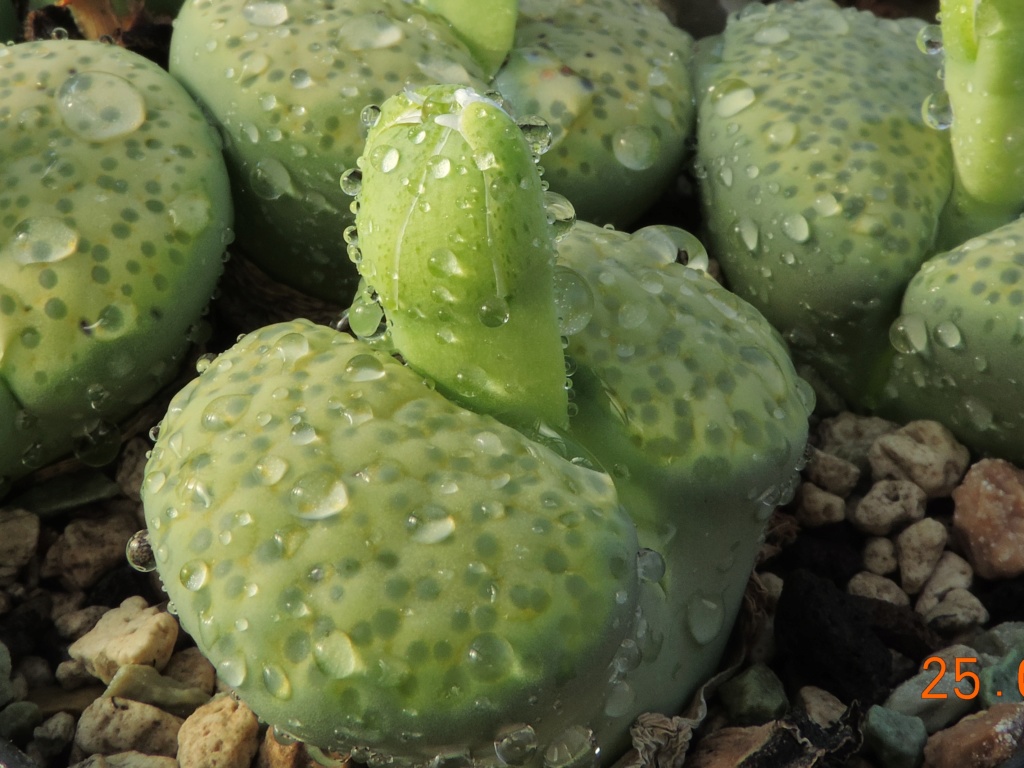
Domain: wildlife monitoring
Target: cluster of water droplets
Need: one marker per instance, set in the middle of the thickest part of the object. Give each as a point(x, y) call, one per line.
point(936, 109)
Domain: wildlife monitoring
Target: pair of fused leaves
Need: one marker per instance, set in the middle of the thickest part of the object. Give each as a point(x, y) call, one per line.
point(421, 580)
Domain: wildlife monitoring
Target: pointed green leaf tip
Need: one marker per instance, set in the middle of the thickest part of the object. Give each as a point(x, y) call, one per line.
point(454, 239)
point(984, 80)
point(487, 29)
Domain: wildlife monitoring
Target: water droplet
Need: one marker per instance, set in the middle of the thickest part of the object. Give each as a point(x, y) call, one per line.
point(490, 657)
point(300, 78)
point(430, 526)
point(232, 670)
point(537, 133)
point(725, 174)
point(40, 240)
point(560, 214)
point(270, 179)
point(318, 495)
point(948, 335)
point(190, 212)
point(782, 134)
point(370, 31)
point(515, 748)
point(439, 167)
point(364, 367)
point(979, 415)
point(276, 682)
point(291, 347)
point(826, 205)
point(796, 228)
point(370, 115)
point(929, 39)
point(270, 469)
point(937, 111)
point(366, 317)
point(619, 699)
point(650, 565)
point(731, 96)
point(265, 13)
point(632, 314)
point(772, 35)
point(352, 182)
point(636, 147)
point(97, 444)
point(386, 158)
point(193, 575)
point(443, 263)
point(748, 233)
point(494, 312)
point(139, 552)
point(223, 412)
point(573, 748)
point(574, 301)
point(908, 334)
point(335, 655)
point(627, 657)
point(705, 617)
point(98, 106)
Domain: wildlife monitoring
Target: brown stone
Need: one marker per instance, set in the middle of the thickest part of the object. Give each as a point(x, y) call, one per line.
point(989, 518)
point(110, 725)
point(924, 452)
point(982, 740)
point(88, 548)
point(221, 734)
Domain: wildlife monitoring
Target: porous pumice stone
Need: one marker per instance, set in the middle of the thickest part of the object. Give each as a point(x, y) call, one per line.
point(287, 83)
point(612, 80)
point(959, 341)
point(821, 183)
point(371, 566)
point(114, 213)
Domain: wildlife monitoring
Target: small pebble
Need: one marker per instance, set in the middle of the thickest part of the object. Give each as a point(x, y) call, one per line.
point(221, 734)
point(867, 584)
point(140, 682)
point(274, 754)
point(918, 549)
point(850, 437)
point(54, 734)
point(831, 473)
point(112, 725)
point(894, 739)
point(820, 705)
point(880, 556)
point(73, 674)
point(88, 548)
point(959, 610)
point(133, 633)
point(937, 713)
point(1000, 639)
point(950, 572)
point(888, 505)
point(127, 760)
point(19, 539)
point(18, 719)
point(74, 624)
point(924, 452)
point(1001, 682)
point(193, 669)
point(815, 506)
point(982, 740)
point(989, 518)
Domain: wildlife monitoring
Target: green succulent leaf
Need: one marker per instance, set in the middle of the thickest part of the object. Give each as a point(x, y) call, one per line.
point(487, 29)
point(822, 184)
point(368, 564)
point(455, 240)
point(116, 222)
point(959, 342)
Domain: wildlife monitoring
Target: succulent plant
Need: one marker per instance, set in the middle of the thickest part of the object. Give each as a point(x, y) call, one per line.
point(289, 82)
point(828, 181)
point(439, 556)
point(114, 213)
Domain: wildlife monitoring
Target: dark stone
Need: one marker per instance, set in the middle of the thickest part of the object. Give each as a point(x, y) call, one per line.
point(28, 631)
point(900, 627)
point(118, 584)
point(823, 639)
point(833, 552)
